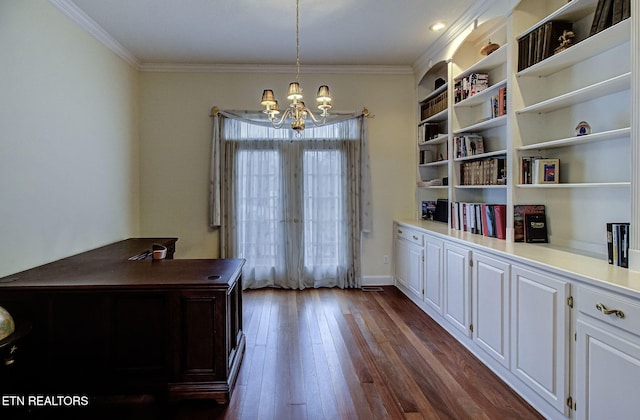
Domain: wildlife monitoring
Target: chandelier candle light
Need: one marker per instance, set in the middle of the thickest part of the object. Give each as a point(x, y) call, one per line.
point(297, 110)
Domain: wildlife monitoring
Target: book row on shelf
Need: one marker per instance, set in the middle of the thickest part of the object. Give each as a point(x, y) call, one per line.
point(541, 43)
point(470, 85)
point(429, 131)
point(468, 145)
point(432, 106)
point(539, 170)
point(618, 244)
point(483, 219)
point(608, 13)
point(490, 171)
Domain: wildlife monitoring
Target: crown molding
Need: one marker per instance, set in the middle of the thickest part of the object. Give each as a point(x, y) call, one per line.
point(273, 68)
point(69, 9)
point(455, 30)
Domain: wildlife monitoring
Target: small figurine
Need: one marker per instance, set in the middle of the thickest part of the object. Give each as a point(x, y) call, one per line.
point(565, 41)
point(583, 128)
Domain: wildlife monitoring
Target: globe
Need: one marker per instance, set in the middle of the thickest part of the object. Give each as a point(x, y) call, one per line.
point(7, 326)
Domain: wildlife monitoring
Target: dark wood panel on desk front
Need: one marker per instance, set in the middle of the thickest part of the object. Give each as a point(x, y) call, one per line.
point(103, 324)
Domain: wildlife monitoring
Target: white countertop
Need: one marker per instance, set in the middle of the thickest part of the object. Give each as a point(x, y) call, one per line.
point(593, 271)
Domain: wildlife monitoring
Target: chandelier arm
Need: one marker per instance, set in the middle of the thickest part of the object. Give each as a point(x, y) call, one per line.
point(316, 121)
point(278, 123)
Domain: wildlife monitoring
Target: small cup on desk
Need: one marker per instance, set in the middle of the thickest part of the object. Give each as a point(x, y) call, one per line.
point(159, 252)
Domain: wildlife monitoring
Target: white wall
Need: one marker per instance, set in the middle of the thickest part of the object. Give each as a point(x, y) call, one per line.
point(69, 171)
point(175, 133)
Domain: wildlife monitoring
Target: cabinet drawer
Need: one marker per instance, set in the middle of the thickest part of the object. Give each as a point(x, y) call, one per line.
point(410, 235)
point(615, 310)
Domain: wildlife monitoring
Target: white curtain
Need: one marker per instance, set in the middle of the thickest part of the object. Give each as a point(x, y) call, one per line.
point(292, 207)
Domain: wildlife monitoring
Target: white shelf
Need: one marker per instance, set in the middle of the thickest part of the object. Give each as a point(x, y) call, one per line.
point(440, 116)
point(482, 155)
point(577, 185)
point(484, 125)
point(478, 187)
point(493, 60)
point(594, 45)
point(482, 96)
point(576, 140)
point(572, 11)
point(434, 187)
point(606, 87)
point(441, 139)
point(435, 93)
point(434, 164)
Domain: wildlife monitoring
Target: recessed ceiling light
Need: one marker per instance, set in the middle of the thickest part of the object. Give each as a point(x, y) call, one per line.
point(437, 26)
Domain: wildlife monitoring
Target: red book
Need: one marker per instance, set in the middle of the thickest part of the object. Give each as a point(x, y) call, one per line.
point(501, 221)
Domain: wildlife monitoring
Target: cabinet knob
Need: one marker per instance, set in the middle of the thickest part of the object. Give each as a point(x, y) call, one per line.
point(415, 237)
point(399, 231)
point(604, 310)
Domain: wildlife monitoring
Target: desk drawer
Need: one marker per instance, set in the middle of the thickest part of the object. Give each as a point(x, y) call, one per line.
point(613, 309)
point(411, 235)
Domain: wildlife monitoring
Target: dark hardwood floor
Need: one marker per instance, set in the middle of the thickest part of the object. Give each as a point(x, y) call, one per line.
point(351, 354)
point(340, 354)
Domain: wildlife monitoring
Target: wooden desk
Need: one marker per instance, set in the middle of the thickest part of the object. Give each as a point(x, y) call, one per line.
point(103, 324)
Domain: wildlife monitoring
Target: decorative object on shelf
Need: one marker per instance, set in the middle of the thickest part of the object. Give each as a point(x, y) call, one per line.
point(438, 83)
point(583, 128)
point(297, 111)
point(7, 325)
point(565, 41)
point(489, 48)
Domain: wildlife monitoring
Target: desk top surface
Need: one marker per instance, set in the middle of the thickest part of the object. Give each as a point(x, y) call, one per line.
point(109, 267)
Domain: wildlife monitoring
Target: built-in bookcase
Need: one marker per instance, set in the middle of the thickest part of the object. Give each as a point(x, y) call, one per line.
point(545, 101)
point(590, 81)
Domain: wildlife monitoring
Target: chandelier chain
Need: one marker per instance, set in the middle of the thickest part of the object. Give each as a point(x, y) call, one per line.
point(298, 41)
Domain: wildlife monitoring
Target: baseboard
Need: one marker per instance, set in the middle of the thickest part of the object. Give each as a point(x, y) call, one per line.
point(377, 281)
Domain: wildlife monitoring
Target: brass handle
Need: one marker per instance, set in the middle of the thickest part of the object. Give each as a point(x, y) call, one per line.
point(604, 310)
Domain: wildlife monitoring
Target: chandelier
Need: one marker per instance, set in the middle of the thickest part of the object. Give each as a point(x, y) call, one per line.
point(297, 111)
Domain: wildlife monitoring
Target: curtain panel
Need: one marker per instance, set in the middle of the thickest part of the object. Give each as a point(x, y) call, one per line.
point(287, 203)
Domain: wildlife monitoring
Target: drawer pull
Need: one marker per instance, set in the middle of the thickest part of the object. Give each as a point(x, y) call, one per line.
point(399, 231)
point(606, 311)
point(415, 237)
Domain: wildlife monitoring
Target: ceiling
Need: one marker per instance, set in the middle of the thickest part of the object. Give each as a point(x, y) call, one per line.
point(332, 32)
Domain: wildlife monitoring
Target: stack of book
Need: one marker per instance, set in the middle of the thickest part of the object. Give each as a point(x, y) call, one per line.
point(470, 85)
point(434, 105)
point(618, 244)
point(539, 43)
point(490, 171)
point(489, 220)
point(539, 170)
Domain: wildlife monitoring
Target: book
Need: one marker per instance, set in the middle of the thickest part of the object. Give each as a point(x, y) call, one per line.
point(428, 210)
point(535, 228)
point(500, 220)
point(546, 171)
point(601, 17)
point(519, 211)
point(618, 244)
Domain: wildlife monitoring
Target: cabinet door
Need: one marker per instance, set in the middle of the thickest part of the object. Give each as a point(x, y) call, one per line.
point(491, 304)
point(540, 334)
point(457, 307)
point(608, 368)
point(409, 265)
point(433, 273)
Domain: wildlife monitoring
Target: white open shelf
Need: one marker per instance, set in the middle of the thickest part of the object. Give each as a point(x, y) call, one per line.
point(482, 96)
point(589, 138)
